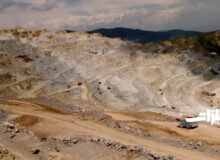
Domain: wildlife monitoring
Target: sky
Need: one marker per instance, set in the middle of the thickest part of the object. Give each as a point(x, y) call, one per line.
point(84, 15)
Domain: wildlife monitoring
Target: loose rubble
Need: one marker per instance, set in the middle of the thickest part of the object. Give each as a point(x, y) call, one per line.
point(70, 141)
point(135, 149)
point(12, 128)
point(7, 155)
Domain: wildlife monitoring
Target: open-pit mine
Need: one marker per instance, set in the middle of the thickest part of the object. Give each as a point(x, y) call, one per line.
point(80, 96)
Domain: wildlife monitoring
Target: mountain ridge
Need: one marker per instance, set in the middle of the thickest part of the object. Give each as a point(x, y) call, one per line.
point(141, 36)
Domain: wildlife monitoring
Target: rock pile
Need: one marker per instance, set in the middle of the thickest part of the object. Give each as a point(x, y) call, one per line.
point(106, 119)
point(55, 143)
point(6, 155)
point(187, 144)
point(138, 132)
point(11, 128)
point(216, 150)
point(191, 145)
point(133, 149)
point(35, 151)
point(208, 94)
point(70, 141)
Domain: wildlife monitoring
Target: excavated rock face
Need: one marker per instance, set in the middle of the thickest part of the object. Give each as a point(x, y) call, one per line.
point(101, 73)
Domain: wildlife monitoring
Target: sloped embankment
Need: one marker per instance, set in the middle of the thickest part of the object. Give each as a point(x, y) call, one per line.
point(100, 73)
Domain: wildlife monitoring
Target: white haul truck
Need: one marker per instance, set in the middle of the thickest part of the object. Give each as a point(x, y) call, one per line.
point(211, 115)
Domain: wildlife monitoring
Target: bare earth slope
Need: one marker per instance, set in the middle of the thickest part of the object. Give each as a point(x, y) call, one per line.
point(101, 73)
point(79, 96)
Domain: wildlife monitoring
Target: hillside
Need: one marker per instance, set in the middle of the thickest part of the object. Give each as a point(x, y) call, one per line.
point(203, 43)
point(141, 36)
point(81, 96)
point(98, 72)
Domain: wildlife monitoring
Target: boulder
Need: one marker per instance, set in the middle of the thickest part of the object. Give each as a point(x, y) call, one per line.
point(35, 151)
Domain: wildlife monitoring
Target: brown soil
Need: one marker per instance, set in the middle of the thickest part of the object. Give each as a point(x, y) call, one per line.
point(47, 122)
point(145, 116)
point(167, 127)
point(26, 120)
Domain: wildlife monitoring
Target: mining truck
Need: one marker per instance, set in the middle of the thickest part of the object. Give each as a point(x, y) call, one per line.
point(184, 124)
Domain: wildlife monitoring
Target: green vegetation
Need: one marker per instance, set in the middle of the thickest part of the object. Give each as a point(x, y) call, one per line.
point(204, 43)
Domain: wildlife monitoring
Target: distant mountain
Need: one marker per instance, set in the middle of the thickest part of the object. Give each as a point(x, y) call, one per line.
point(141, 36)
point(204, 43)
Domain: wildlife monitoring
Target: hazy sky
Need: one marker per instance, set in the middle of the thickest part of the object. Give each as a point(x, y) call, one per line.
point(199, 15)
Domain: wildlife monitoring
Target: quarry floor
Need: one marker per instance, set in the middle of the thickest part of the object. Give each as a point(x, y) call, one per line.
point(165, 137)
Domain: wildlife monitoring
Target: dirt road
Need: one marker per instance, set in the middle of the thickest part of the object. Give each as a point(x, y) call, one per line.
point(48, 122)
point(204, 132)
